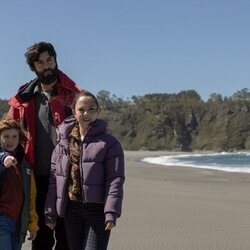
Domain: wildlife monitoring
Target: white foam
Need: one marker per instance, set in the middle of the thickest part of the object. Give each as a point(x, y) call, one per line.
point(176, 160)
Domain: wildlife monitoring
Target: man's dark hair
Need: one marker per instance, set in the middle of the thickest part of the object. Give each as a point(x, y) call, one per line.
point(35, 50)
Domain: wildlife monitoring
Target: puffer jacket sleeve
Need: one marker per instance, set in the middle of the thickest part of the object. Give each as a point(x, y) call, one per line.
point(114, 180)
point(50, 212)
point(33, 217)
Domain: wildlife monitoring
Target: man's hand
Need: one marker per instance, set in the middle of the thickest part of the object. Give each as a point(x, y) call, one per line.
point(10, 161)
point(32, 235)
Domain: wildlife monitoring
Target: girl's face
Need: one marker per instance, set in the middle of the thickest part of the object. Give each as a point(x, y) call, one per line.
point(9, 139)
point(86, 111)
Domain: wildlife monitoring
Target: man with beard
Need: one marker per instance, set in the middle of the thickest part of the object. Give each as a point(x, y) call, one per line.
point(40, 106)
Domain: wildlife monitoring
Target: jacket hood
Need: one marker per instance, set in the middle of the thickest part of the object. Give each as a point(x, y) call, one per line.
point(26, 91)
point(98, 127)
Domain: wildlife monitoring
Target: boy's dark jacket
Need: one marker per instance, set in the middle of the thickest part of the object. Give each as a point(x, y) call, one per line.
point(29, 218)
point(2, 171)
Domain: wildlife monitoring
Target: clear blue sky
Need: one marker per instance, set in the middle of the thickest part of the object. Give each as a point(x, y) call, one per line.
point(132, 47)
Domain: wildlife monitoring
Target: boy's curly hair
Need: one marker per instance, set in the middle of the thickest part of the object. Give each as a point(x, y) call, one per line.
point(9, 123)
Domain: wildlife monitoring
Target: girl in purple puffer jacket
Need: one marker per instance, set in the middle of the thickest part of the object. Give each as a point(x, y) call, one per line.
point(86, 179)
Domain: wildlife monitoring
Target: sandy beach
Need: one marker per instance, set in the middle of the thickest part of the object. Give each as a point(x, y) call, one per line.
point(180, 208)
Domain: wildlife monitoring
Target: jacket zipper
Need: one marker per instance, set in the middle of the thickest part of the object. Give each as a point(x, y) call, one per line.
point(81, 172)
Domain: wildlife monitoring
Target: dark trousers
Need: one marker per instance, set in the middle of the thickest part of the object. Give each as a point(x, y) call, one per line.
point(85, 227)
point(47, 238)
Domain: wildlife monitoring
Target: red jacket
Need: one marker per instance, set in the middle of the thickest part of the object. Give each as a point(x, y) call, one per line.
point(22, 108)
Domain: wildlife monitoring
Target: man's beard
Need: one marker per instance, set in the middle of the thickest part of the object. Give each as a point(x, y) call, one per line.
point(47, 78)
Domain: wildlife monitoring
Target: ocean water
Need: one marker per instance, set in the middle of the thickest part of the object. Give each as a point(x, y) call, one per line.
point(229, 162)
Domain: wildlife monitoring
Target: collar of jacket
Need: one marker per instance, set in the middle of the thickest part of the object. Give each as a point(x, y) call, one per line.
point(26, 91)
point(98, 127)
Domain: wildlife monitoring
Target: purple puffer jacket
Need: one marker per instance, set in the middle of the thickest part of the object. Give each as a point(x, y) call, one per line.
point(101, 168)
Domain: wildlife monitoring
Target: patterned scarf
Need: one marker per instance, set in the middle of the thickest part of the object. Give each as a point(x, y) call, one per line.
point(75, 191)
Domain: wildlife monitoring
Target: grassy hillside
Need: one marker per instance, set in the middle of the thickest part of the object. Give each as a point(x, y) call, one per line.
point(177, 121)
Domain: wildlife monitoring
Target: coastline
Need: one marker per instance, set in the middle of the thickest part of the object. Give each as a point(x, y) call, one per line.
point(237, 161)
point(181, 208)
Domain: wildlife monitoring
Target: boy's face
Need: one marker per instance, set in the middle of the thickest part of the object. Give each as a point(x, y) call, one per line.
point(9, 139)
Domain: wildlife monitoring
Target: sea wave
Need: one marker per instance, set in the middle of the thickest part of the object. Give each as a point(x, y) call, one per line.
point(223, 161)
